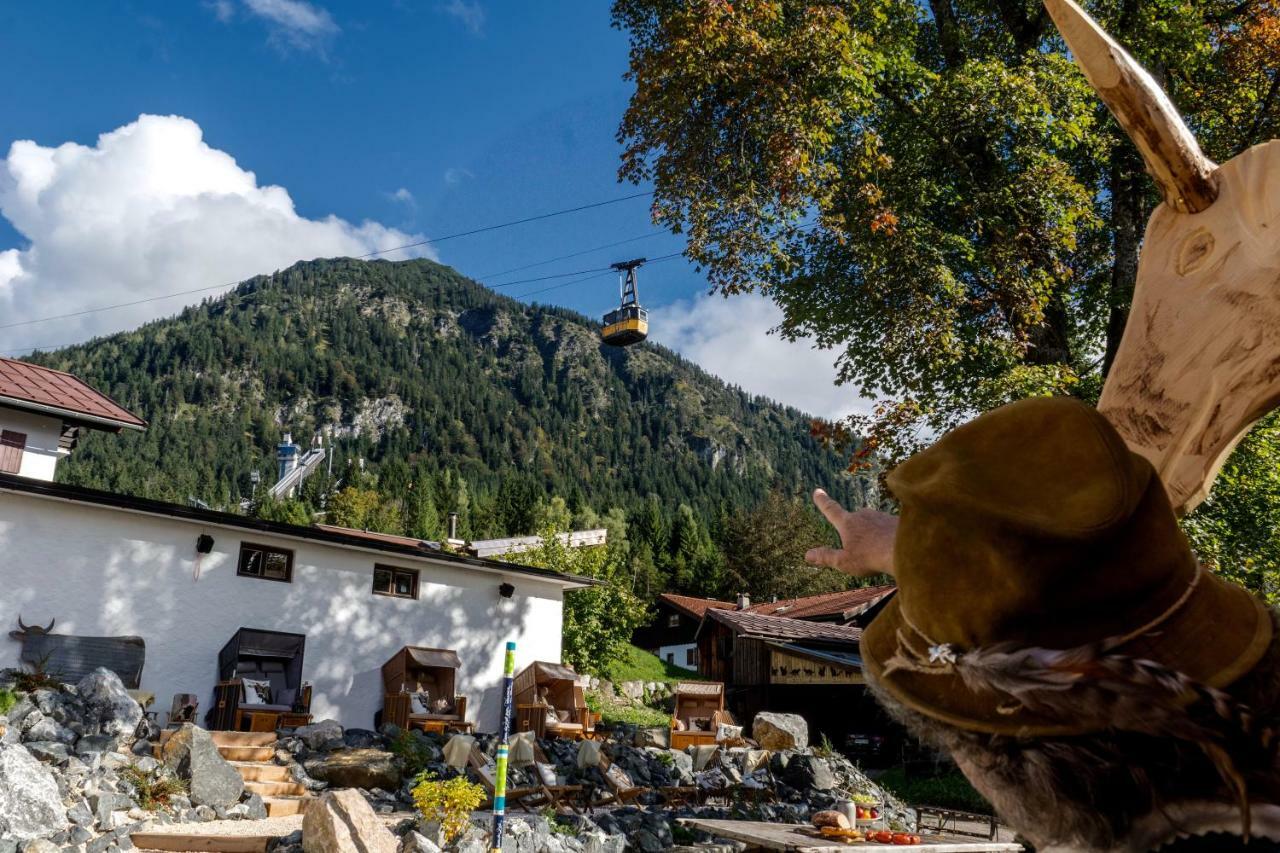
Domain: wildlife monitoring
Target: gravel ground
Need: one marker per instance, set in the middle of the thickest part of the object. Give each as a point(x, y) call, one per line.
point(271, 826)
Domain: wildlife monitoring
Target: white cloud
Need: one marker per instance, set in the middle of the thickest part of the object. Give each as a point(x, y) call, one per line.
point(471, 14)
point(403, 196)
point(730, 338)
point(150, 209)
point(296, 23)
point(223, 10)
point(456, 175)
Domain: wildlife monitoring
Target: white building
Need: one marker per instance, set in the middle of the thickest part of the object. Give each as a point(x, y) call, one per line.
point(111, 565)
point(42, 412)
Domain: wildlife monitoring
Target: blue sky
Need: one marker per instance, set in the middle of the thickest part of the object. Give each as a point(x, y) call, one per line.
point(415, 118)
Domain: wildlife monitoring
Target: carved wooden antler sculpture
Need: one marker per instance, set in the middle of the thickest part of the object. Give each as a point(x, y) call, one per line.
point(1200, 359)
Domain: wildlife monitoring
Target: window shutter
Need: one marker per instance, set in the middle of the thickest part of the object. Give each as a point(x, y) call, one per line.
point(11, 446)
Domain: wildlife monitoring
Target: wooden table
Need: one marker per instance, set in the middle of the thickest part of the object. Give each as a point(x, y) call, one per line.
point(781, 836)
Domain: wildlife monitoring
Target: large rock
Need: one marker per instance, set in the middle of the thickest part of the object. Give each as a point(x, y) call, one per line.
point(356, 768)
point(809, 771)
point(108, 705)
point(776, 732)
point(343, 820)
point(30, 805)
point(318, 734)
point(192, 754)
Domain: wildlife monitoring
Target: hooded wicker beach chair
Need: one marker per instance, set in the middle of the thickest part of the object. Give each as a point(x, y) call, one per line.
point(698, 714)
point(550, 702)
point(419, 690)
point(260, 685)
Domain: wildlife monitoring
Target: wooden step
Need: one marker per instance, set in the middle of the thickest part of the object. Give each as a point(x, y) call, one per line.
point(244, 738)
point(285, 806)
point(254, 772)
point(276, 789)
point(189, 843)
point(247, 753)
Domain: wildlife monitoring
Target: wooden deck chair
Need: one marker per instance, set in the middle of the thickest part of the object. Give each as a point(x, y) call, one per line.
point(622, 790)
point(530, 798)
point(569, 796)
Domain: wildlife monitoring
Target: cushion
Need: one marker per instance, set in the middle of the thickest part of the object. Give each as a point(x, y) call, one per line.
point(700, 724)
point(563, 716)
point(287, 696)
point(443, 705)
point(256, 692)
point(420, 703)
point(275, 709)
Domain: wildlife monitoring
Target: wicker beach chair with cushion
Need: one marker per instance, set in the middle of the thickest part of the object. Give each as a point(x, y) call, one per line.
point(419, 690)
point(550, 702)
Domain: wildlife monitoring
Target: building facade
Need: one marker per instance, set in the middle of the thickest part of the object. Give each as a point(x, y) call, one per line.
point(109, 565)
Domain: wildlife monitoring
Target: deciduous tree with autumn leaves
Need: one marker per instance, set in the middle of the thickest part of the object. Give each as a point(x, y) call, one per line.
point(930, 188)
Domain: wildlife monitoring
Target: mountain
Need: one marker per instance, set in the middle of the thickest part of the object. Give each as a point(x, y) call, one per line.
point(416, 370)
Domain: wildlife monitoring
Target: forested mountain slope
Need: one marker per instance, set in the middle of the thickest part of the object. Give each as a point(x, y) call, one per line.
point(423, 373)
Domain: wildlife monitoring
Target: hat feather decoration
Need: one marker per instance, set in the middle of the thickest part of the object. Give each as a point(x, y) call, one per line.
point(1090, 682)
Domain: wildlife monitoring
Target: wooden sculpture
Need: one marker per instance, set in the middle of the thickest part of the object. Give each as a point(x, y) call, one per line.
point(1199, 362)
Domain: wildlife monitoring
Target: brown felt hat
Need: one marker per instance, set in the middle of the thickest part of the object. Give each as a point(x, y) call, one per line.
point(1035, 525)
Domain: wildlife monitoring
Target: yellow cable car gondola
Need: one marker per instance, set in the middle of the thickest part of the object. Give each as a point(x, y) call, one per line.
point(629, 324)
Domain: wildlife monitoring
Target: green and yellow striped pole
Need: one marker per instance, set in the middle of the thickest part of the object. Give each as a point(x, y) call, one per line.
point(504, 747)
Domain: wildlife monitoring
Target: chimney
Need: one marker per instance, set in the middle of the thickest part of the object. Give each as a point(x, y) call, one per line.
point(453, 525)
point(286, 456)
point(744, 601)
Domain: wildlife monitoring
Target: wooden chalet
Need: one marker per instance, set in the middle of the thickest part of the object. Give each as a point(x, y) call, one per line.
point(777, 663)
point(671, 635)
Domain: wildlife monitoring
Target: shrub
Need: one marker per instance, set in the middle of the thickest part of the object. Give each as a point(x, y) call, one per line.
point(152, 792)
point(413, 752)
point(8, 699)
point(449, 803)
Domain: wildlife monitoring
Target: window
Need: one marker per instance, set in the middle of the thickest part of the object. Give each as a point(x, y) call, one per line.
point(671, 657)
point(673, 621)
point(11, 446)
point(398, 583)
point(691, 657)
point(263, 561)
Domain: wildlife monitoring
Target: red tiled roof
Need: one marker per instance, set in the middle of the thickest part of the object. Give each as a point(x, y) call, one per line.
point(695, 607)
point(55, 392)
point(783, 628)
point(839, 604)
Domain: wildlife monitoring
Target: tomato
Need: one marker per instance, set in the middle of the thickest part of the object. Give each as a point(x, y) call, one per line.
point(881, 835)
point(901, 838)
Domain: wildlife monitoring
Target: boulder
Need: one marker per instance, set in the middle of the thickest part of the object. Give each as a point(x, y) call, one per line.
point(212, 781)
point(41, 728)
point(107, 704)
point(809, 771)
point(659, 737)
point(362, 739)
point(318, 734)
point(415, 842)
point(356, 768)
point(776, 732)
point(49, 751)
point(30, 804)
point(342, 820)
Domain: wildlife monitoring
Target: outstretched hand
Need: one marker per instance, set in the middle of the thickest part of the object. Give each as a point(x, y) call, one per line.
point(866, 539)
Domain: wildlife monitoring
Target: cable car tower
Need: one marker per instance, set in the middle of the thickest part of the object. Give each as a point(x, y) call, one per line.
point(629, 324)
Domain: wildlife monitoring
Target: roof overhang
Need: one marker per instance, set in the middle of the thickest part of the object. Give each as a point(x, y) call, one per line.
point(93, 421)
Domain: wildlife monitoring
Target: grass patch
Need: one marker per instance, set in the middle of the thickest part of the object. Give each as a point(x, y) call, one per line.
point(950, 791)
point(639, 665)
point(7, 700)
point(153, 792)
point(633, 715)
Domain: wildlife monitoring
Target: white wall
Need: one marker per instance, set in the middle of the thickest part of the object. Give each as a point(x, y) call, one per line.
point(43, 432)
point(679, 654)
point(106, 572)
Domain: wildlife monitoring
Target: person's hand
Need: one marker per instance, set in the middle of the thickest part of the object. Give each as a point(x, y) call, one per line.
point(866, 539)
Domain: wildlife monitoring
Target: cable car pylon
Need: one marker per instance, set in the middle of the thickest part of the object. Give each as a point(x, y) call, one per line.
point(629, 324)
